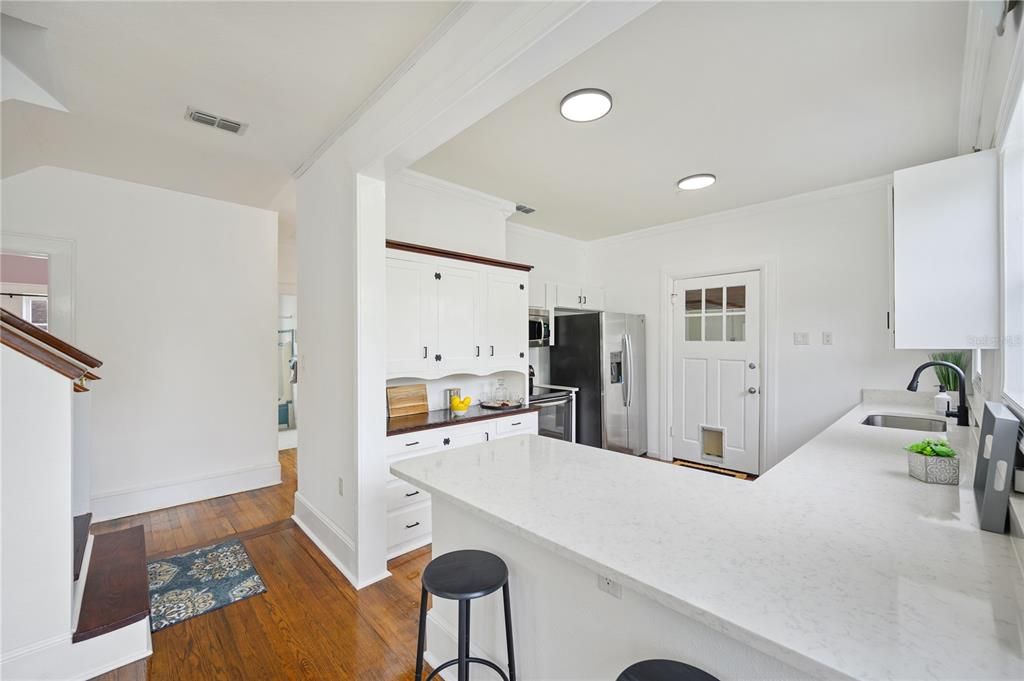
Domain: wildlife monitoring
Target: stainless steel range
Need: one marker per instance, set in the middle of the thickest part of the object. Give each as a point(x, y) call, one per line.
point(557, 416)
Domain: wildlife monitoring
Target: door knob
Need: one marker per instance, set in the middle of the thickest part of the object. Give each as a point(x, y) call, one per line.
point(752, 391)
point(752, 365)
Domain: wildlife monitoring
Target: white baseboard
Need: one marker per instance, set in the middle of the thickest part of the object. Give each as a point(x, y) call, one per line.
point(287, 439)
point(143, 499)
point(335, 543)
point(60, 659)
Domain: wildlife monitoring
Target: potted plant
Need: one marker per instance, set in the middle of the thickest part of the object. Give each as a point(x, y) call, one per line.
point(933, 461)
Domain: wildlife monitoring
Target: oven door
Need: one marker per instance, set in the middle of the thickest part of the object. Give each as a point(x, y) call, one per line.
point(555, 418)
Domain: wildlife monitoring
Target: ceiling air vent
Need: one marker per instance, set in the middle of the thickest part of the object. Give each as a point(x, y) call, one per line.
point(204, 118)
point(524, 209)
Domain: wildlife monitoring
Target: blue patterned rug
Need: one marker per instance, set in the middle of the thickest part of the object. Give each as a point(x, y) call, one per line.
point(200, 581)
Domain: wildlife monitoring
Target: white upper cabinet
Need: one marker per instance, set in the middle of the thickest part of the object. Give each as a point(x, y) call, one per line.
point(459, 312)
point(575, 297)
point(946, 254)
point(507, 337)
point(412, 317)
point(446, 316)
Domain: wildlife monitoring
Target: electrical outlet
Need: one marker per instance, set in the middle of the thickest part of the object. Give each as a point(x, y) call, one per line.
point(826, 338)
point(801, 338)
point(609, 586)
point(341, 486)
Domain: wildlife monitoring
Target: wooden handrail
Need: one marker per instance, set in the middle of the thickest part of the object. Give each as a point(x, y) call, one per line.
point(42, 354)
point(49, 339)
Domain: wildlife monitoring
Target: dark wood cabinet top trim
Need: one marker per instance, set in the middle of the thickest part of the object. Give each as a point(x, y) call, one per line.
point(456, 255)
point(40, 353)
point(49, 339)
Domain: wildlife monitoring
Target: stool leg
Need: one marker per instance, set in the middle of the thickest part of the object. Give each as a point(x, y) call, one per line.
point(464, 640)
point(508, 633)
point(422, 640)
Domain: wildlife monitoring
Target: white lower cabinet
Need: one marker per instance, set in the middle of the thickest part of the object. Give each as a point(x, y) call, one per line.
point(408, 506)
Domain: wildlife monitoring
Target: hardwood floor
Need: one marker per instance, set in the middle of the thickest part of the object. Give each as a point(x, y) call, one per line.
point(310, 624)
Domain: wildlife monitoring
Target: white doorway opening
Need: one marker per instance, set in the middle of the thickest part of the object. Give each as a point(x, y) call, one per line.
point(716, 368)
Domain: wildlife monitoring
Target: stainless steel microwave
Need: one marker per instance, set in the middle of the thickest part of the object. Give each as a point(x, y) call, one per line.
point(540, 327)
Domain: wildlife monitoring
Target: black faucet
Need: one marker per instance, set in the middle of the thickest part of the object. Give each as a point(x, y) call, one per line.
point(961, 409)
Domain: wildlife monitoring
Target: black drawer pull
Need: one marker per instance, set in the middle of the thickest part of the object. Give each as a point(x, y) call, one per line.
point(517, 423)
point(412, 494)
point(447, 441)
point(409, 527)
point(410, 444)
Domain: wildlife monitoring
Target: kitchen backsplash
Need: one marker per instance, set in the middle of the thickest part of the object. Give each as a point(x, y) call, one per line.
point(477, 387)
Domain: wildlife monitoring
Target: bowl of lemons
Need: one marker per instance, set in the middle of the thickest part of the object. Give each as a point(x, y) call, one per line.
point(460, 405)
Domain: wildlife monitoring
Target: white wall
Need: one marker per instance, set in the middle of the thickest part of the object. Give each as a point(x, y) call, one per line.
point(36, 520)
point(554, 257)
point(177, 294)
point(828, 255)
point(327, 369)
point(424, 210)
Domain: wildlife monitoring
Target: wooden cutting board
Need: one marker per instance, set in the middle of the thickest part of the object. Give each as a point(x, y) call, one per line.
point(404, 400)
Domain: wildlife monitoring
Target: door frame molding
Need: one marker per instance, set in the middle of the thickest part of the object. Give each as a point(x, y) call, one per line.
point(767, 351)
point(61, 256)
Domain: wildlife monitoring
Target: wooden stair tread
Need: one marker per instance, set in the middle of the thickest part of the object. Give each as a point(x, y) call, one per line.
point(117, 584)
point(81, 535)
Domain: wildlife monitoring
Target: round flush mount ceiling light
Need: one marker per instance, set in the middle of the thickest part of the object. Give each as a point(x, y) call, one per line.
point(588, 104)
point(699, 181)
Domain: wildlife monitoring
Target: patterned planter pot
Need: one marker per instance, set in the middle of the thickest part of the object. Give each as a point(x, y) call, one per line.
point(940, 470)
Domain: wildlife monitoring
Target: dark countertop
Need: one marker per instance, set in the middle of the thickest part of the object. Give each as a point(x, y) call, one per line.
point(439, 418)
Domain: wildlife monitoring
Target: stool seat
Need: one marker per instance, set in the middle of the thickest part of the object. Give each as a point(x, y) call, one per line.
point(663, 670)
point(467, 574)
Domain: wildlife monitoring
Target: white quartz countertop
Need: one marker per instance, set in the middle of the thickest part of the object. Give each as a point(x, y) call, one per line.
point(835, 561)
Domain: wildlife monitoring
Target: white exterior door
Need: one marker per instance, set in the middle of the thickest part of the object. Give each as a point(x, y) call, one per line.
point(716, 370)
point(458, 305)
point(412, 317)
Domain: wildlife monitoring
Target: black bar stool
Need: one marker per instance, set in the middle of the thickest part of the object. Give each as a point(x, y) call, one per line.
point(663, 670)
point(462, 576)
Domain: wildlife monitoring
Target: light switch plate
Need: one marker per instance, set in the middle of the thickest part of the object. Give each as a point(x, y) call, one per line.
point(826, 338)
point(801, 338)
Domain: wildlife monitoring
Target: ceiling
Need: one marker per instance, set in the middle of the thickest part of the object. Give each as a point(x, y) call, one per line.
point(776, 99)
point(294, 71)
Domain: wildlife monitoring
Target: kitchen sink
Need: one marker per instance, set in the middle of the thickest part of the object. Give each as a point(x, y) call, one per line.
point(905, 422)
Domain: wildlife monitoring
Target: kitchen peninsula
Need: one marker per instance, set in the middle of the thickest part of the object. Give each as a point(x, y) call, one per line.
point(835, 564)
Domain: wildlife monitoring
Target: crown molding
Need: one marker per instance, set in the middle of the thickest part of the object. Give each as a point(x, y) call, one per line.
point(754, 209)
point(434, 184)
point(977, 52)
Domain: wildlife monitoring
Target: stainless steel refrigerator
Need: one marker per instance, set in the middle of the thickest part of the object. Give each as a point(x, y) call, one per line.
point(602, 354)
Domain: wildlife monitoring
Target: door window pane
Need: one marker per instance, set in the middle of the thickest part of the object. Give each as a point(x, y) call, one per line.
point(693, 301)
point(736, 327)
point(713, 299)
point(713, 330)
point(693, 328)
point(736, 298)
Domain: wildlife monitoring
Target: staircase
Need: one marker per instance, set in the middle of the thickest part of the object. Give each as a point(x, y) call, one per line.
point(73, 605)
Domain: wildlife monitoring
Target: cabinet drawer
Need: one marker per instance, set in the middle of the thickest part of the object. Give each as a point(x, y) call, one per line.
point(515, 425)
point(408, 524)
point(400, 494)
point(416, 442)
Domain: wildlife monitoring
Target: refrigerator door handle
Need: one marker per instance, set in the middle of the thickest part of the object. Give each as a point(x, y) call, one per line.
point(625, 370)
point(629, 370)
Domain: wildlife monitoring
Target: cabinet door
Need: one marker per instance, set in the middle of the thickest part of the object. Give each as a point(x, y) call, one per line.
point(506, 340)
point(470, 436)
point(412, 317)
point(536, 293)
point(570, 297)
point(459, 305)
point(593, 298)
point(946, 253)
